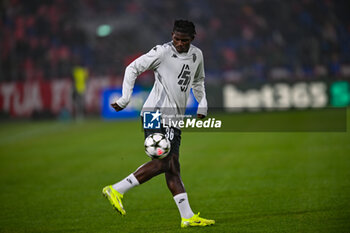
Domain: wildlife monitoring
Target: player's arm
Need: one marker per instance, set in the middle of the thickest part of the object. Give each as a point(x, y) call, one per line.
point(148, 61)
point(198, 89)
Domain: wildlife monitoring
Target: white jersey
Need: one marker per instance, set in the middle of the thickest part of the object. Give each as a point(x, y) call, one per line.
point(175, 74)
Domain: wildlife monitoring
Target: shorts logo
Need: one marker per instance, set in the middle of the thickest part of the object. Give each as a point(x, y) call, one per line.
point(151, 120)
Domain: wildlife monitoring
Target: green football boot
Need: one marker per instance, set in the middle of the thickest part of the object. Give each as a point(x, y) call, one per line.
point(115, 198)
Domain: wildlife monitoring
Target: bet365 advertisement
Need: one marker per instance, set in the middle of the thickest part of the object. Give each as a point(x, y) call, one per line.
point(25, 99)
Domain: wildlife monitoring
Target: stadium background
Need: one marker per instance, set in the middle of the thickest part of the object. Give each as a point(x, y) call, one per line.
point(59, 57)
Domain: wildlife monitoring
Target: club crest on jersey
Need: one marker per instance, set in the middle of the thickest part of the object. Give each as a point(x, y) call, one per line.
point(184, 77)
point(194, 57)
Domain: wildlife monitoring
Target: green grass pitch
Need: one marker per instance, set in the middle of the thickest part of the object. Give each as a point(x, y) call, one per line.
point(52, 174)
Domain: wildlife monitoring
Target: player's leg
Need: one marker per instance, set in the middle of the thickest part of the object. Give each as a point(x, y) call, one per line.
point(115, 192)
point(151, 169)
point(176, 187)
point(173, 177)
point(169, 165)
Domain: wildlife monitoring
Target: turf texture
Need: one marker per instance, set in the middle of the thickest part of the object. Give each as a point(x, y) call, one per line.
point(52, 174)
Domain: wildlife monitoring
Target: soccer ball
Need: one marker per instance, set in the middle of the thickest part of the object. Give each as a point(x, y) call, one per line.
point(157, 146)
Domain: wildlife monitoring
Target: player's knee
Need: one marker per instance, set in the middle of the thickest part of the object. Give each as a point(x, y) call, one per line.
point(163, 165)
point(174, 165)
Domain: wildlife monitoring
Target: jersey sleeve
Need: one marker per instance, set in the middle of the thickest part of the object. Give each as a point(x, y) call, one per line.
point(198, 88)
point(148, 61)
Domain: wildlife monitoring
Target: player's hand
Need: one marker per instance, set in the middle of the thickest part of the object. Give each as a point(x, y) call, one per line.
point(200, 116)
point(116, 107)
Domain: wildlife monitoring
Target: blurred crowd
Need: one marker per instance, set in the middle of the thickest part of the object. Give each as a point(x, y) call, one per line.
point(242, 40)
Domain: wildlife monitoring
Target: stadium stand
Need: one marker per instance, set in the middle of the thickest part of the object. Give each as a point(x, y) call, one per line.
point(251, 40)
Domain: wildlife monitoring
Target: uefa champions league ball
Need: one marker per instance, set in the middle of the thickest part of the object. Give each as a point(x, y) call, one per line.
point(157, 146)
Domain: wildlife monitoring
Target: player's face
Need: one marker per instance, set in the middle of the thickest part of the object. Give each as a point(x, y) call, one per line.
point(181, 41)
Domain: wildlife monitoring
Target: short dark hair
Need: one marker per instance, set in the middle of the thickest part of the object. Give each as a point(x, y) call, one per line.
point(184, 26)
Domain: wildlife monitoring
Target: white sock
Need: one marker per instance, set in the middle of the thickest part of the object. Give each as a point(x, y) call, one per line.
point(127, 183)
point(182, 203)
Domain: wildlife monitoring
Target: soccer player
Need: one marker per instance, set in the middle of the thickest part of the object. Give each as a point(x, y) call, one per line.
point(177, 65)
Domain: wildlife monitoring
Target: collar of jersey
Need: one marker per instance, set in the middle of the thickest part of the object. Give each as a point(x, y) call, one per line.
point(181, 55)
